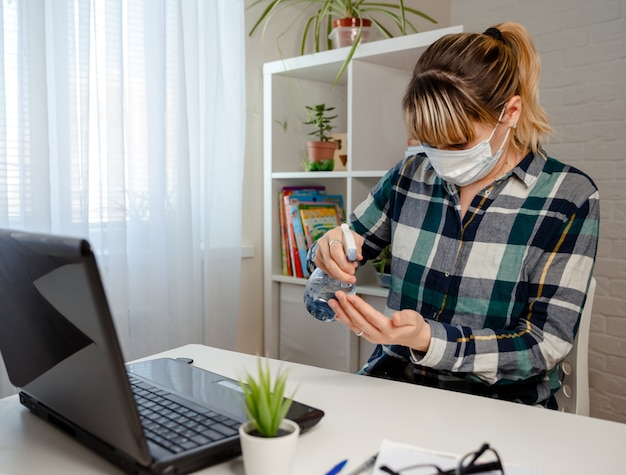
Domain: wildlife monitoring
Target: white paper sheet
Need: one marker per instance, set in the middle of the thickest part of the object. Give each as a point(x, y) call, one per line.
point(397, 456)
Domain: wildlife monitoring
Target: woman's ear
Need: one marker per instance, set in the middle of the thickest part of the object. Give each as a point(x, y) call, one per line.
point(512, 111)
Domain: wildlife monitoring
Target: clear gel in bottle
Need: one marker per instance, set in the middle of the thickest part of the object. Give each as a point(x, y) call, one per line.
point(320, 287)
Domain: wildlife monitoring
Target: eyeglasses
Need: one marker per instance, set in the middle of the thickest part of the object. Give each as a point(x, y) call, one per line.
point(468, 464)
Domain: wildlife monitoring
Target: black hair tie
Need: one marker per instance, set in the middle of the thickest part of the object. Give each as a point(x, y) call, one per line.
point(494, 33)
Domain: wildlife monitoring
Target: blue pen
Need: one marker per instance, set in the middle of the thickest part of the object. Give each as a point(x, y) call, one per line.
point(337, 468)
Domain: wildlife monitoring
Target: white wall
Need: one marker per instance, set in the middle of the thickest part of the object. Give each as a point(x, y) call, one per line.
point(582, 44)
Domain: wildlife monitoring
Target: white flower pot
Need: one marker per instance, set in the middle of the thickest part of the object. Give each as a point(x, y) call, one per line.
point(269, 455)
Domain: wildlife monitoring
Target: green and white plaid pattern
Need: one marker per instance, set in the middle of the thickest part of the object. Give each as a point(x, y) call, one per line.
point(502, 288)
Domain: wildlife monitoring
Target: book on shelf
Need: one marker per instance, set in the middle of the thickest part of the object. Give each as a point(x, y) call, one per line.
point(284, 255)
point(293, 265)
point(310, 200)
point(299, 245)
point(338, 201)
point(295, 240)
point(317, 218)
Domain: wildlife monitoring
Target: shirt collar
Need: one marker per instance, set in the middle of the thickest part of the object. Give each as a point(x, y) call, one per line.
point(529, 169)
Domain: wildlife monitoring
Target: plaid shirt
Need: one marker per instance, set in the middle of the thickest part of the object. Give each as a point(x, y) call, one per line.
point(502, 288)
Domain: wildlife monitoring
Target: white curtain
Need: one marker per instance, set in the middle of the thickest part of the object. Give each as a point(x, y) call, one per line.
point(122, 121)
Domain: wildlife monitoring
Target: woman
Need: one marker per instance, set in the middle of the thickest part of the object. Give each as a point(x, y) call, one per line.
point(493, 241)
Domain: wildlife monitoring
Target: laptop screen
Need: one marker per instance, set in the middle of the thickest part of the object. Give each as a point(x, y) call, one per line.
point(58, 341)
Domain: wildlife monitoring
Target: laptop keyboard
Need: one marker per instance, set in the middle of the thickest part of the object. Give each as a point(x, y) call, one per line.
point(174, 426)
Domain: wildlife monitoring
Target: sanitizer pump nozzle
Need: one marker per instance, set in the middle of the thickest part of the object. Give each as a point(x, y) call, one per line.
point(320, 287)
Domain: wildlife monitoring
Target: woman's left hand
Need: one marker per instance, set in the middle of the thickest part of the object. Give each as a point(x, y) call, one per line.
point(405, 327)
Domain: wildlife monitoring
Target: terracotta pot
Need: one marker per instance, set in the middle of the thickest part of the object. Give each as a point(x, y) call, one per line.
point(321, 150)
point(351, 22)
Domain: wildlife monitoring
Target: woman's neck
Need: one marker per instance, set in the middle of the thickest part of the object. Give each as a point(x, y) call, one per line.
point(511, 157)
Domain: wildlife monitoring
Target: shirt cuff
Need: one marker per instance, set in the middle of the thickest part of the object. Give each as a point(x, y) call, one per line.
point(436, 350)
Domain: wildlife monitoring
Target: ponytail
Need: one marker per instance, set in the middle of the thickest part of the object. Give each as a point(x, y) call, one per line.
point(533, 122)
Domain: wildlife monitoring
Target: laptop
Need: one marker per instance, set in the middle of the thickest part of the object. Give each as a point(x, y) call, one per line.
point(60, 348)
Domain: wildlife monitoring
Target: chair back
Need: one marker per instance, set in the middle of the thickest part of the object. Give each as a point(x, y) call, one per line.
point(574, 393)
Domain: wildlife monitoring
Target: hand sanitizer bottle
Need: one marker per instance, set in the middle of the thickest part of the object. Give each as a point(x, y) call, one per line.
point(320, 287)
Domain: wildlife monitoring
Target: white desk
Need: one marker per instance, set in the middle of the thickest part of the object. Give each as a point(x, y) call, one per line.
point(360, 412)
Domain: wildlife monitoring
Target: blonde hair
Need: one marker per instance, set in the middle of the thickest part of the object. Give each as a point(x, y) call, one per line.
point(469, 77)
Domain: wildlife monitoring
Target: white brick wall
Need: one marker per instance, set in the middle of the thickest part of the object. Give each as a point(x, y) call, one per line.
point(582, 44)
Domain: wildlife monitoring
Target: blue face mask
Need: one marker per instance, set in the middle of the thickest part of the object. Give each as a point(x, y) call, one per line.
point(463, 167)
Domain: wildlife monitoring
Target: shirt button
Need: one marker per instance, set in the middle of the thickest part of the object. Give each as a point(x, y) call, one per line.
point(487, 192)
point(447, 274)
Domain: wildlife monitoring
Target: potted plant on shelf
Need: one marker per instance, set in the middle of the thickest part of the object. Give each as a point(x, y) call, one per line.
point(268, 439)
point(345, 21)
point(382, 265)
point(320, 152)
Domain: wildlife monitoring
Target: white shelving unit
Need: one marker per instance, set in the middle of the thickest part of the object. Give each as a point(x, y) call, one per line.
point(368, 101)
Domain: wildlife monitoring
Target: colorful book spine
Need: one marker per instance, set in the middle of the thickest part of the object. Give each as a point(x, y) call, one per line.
point(297, 265)
point(298, 231)
point(284, 253)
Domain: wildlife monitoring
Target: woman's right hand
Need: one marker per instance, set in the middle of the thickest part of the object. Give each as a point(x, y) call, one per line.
point(331, 257)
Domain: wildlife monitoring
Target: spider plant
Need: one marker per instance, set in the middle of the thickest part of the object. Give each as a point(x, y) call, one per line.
point(320, 22)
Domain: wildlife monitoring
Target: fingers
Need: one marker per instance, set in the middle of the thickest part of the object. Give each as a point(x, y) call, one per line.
point(322, 257)
point(360, 317)
point(406, 327)
point(331, 257)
